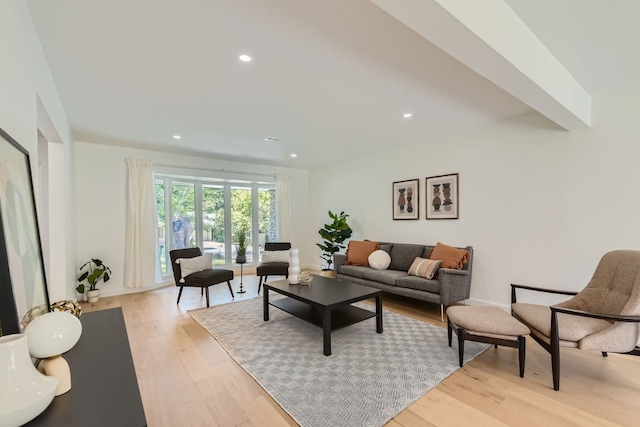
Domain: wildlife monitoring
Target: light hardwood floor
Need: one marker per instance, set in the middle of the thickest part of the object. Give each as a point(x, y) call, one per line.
point(187, 379)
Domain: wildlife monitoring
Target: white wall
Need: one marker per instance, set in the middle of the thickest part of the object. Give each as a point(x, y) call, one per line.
point(538, 204)
point(101, 200)
point(29, 99)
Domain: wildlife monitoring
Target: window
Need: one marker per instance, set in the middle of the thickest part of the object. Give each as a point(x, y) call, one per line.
point(208, 213)
point(213, 229)
point(183, 204)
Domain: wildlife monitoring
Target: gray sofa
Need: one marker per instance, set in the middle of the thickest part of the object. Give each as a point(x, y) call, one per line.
point(452, 285)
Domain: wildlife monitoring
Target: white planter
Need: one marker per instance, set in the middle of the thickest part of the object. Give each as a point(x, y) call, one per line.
point(93, 296)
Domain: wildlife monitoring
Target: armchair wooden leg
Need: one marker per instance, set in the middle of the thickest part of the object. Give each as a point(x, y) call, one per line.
point(449, 331)
point(604, 354)
point(179, 295)
point(522, 341)
point(207, 292)
point(201, 291)
point(555, 367)
point(230, 290)
point(555, 351)
point(259, 285)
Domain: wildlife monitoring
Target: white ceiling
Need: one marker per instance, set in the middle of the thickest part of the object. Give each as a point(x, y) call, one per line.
point(330, 77)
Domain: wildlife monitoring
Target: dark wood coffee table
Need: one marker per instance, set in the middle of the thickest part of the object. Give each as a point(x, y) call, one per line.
point(325, 303)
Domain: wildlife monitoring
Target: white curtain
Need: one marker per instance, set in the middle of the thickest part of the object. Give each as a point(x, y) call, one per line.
point(139, 261)
point(283, 201)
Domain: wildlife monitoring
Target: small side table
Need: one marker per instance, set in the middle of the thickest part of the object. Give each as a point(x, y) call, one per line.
point(241, 291)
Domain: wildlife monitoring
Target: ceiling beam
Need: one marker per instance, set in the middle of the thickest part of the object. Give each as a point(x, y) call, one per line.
point(489, 37)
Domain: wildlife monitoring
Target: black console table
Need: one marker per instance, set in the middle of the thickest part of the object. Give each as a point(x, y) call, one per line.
point(104, 389)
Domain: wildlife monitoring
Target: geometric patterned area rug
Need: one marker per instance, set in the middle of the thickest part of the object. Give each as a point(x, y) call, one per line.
point(368, 379)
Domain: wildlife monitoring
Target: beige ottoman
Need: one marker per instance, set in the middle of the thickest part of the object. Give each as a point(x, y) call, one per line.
point(490, 325)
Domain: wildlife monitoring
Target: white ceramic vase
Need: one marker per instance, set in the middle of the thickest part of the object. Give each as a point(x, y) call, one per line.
point(24, 392)
point(294, 266)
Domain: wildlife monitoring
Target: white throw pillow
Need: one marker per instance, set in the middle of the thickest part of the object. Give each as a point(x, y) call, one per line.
point(193, 265)
point(379, 260)
point(275, 256)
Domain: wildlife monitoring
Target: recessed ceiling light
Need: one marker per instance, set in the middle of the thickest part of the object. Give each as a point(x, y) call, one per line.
point(244, 58)
point(294, 155)
point(407, 115)
point(177, 137)
point(273, 139)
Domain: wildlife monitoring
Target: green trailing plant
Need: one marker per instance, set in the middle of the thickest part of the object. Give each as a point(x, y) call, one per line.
point(334, 234)
point(93, 272)
point(241, 237)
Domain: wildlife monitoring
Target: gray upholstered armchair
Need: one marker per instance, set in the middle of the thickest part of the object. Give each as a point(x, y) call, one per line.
point(604, 316)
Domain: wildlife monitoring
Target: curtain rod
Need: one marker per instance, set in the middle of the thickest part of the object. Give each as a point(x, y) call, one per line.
point(213, 170)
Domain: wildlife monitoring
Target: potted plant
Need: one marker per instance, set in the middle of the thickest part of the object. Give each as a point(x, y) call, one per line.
point(241, 237)
point(334, 235)
point(93, 272)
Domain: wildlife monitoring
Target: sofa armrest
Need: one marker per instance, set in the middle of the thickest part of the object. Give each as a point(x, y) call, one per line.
point(338, 260)
point(454, 271)
point(455, 285)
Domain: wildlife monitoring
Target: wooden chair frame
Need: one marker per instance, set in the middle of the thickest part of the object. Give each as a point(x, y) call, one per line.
point(553, 347)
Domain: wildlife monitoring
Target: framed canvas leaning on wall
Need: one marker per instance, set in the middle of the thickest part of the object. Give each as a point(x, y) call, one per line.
point(23, 287)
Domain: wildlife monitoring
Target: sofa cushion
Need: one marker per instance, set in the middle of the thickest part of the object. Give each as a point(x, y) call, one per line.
point(387, 277)
point(451, 257)
point(419, 283)
point(353, 270)
point(386, 247)
point(402, 255)
point(426, 268)
point(358, 252)
point(379, 260)
point(427, 251)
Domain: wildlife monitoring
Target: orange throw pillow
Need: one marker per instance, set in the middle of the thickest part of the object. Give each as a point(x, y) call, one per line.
point(358, 252)
point(451, 257)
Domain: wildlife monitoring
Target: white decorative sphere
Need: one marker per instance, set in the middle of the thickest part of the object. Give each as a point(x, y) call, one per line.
point(52, 334)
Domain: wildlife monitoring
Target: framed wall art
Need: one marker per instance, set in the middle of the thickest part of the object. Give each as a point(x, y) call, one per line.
point(23, 287)
point(443, 199)
point(405, 199)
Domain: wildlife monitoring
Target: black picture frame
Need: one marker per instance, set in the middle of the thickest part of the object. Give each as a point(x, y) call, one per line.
point(442, 197)
point(405, 199)
point(23, 283)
